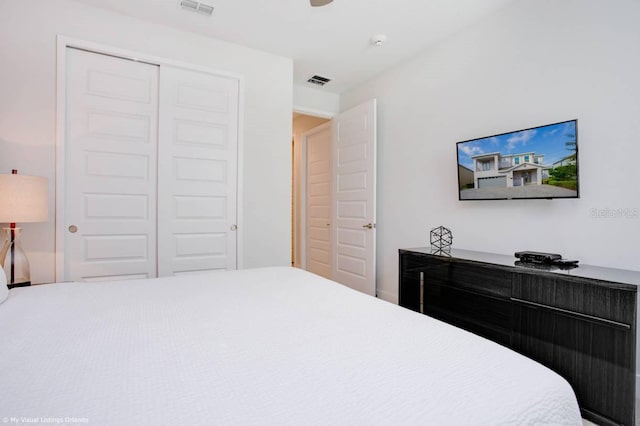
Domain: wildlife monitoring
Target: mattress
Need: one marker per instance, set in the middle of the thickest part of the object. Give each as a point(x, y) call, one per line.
point(268, 346)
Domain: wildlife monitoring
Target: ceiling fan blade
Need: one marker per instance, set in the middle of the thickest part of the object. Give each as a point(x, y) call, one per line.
point(317, 3)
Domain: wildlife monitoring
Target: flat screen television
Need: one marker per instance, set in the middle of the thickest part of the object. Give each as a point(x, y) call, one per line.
point(540, 162)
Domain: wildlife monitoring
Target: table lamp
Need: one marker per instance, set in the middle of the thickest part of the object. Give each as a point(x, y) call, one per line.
point(22, 199)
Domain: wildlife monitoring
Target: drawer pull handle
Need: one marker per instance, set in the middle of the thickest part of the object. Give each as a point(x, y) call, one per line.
point(422, 292)
point(578, 315)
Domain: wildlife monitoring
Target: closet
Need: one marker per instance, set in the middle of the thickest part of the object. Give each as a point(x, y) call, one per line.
point(149, 185)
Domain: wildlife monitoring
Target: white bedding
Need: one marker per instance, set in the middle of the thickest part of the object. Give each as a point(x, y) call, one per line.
point(272, 346)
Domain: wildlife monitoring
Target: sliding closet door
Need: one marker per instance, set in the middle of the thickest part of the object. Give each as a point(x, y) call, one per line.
point(110, 167)
point(197, 171)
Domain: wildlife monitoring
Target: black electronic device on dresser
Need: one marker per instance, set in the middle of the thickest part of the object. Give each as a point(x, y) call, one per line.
point(579, 322)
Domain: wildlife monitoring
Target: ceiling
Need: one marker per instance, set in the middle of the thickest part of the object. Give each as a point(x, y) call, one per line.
point(332, 41)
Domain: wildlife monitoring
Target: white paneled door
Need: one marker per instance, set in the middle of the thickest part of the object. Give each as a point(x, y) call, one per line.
point(354, 191)
point(318, 200)
point(150, 169)
point(197, 172)
point(110, 167)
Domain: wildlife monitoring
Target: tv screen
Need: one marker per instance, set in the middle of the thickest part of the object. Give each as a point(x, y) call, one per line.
point(540, 162)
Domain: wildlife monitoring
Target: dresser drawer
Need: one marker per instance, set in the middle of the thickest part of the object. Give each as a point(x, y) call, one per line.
point(579, 297)
point(436, 266)
point(486, 316)
point(481, 279)
point(470, 276)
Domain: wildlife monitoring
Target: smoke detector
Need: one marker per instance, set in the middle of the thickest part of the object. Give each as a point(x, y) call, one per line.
point(378, 40)
point(197, 7)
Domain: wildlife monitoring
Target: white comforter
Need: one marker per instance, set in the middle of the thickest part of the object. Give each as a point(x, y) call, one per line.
point(272, 346)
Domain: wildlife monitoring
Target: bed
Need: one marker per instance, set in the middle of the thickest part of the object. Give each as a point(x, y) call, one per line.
point(267, 346)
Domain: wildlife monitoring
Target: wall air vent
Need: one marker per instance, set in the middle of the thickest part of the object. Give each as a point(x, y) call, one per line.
point(189, 5)
point(205, 9)
point(198, 7)
point(318, 80)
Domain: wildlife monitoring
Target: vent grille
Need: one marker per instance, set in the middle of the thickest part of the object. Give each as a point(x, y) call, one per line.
point(205, 9)
point(188, 4)
point(198, 7)
point(319, 80)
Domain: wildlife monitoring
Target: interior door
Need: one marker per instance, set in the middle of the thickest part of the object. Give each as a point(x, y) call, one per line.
point(110, 167)
point(354, 191)
point(318, 200)
point(197, 171)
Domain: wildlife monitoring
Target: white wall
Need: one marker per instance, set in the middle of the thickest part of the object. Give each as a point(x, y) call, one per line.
point(533, 63)
point(317, 102)
point(28, 99)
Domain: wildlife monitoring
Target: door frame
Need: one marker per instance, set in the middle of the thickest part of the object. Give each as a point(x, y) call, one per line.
point(303, 187)
point(64, 42)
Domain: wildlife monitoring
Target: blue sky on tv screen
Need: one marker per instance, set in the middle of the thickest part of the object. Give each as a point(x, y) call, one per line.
point(549, 141)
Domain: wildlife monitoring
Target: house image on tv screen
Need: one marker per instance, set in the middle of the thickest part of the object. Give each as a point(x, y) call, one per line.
point(498, 170)
point(535, 163)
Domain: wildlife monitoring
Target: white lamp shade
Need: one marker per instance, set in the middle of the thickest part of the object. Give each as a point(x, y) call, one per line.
point(23, 199)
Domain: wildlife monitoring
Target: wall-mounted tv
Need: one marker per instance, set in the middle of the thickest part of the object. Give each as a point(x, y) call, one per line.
point(540, 162)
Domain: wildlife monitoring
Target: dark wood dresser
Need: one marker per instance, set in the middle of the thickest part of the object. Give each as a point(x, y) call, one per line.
point(579, 322)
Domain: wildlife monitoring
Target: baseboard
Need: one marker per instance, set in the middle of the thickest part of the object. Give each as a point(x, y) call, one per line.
point(388, 296)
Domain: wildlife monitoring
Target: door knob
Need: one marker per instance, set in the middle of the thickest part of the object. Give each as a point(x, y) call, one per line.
point(73, 229)
point(234, 227)
point(368, 226)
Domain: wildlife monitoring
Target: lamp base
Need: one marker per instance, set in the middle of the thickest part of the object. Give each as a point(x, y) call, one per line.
point(14, 260)
point(27, 284)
